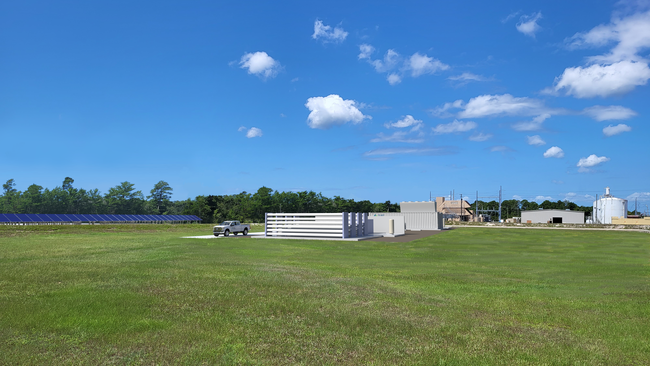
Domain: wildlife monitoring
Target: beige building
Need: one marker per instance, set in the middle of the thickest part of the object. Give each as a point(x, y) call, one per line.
point(457, 210)
point(630, 221)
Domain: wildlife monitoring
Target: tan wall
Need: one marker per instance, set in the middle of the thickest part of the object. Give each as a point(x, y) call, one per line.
point(624, 221)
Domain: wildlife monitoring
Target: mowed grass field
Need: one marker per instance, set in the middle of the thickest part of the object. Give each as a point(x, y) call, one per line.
point(142, 295)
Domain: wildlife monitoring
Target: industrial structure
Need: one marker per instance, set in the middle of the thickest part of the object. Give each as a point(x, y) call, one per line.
point(607, 207)
point(417, 215)
point(457, 210)
point(552, 217)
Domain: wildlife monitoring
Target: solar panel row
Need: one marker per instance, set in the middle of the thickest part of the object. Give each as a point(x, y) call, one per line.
point(93, 218)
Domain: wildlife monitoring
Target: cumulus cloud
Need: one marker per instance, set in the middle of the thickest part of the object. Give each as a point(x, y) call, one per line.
point(453, 127)
point(466, 77)
point(533, 125)
point(602, 80)
point(617, 72)
point(631, 35)
point(332, 110)
point(260, 64)
point(535, 140)
point(422, 64)
point(394, 79)
point(615, 130)
point(554, 152)
point(406, 121)
point(327, 34)
point(543, 198)
point(398, 136)
point(592, 160)
point(528, 24)
point(505, 104)
point(365, 50)
point(417, 64)
point(606, 113)
point(254, 132)
point(479, 137)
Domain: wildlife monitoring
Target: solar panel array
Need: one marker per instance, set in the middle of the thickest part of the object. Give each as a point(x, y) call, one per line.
point(47, 218)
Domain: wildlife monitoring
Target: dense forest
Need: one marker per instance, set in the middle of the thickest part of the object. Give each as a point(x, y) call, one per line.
point(125, 199)
point(246, 207)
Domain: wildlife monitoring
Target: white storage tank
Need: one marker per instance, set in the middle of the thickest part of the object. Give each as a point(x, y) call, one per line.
point(608, 206)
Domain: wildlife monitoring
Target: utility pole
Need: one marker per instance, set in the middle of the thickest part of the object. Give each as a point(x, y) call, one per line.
point(476, 208)
point(499, 203)
point(461, 207)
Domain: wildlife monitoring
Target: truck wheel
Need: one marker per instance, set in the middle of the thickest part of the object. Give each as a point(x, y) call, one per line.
point(216, 234)
point(226, 233)
point(245, 232)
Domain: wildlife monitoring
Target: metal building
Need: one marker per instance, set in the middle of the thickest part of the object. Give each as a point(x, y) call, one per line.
point(417, 215)
point(609, 206)
point(552, 217)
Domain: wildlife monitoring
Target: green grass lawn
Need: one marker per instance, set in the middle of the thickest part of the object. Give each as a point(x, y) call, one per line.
point(130, 295)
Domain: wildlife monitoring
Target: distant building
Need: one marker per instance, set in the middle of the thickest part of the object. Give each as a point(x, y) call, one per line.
point(552, 217)
point(457, 210)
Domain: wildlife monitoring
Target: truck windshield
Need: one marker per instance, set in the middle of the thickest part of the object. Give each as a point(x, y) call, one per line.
point(225, 223)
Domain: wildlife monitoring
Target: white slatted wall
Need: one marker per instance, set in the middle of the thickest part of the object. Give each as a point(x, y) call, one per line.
point(333, 225)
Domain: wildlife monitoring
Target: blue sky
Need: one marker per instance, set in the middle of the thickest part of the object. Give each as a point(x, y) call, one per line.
point(366, 100)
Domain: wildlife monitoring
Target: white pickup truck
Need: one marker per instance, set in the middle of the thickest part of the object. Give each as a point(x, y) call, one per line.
point(228, 227)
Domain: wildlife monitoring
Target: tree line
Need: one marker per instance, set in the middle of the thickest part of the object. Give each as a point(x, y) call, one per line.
point(125, 199)
point(244, 206)
point(513, 208)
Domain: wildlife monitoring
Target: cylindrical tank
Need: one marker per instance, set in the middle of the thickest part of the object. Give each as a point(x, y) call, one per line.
point(608, 206)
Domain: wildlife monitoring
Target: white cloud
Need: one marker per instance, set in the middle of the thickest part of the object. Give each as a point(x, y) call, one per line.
point(639, 196)
point(592, 160)
point(617, 72)
point(501, 148)
point(408, 150)
point(442, 112)
point(254, 132)
point(241, 128)
point(615, 130)
point(398, 136)
point(517, 197)
point(327, 34)
point(505, 104)
point(406, 121)
point(479, 137)
point(365, 50)
point(533, 125)
point(543, 198)
point(332, 110)
point(606, 113)
point(554, 152)
point(535, 140)
point(602, 80)
point(422, 64)
point(631, 35)
point(466, 77)
point(528, 24)
point(391, 59)
point(456, 126)
point(394, 79)
point(260, 64)
point(510, 16)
